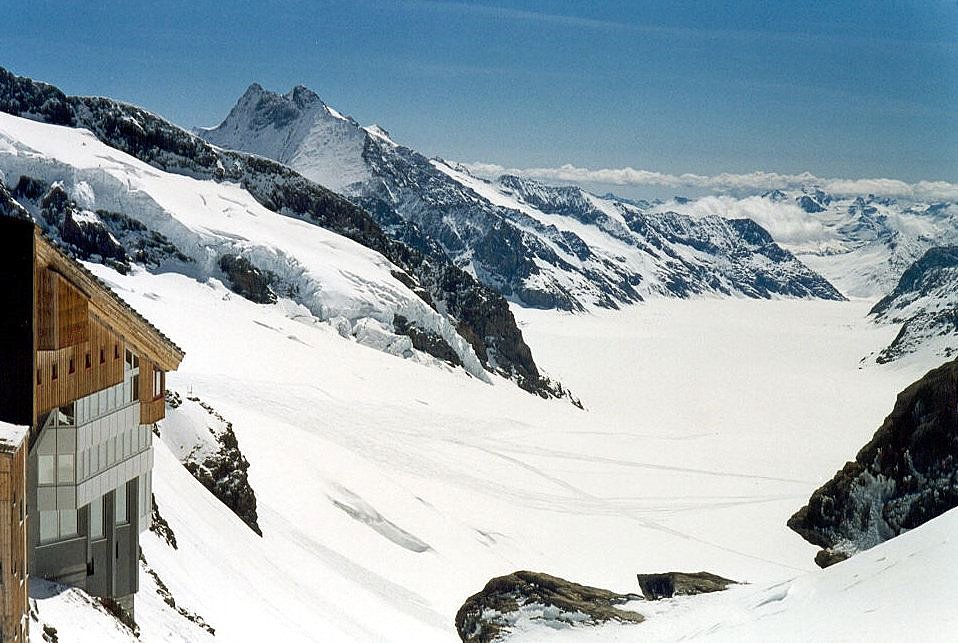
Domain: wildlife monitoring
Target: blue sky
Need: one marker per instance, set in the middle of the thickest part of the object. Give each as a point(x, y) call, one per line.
point(838, 89)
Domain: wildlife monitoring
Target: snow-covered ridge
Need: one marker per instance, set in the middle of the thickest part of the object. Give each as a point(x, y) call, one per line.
point(290, 128)
point(479, 314)
point(540, 246)
point(862, 244)
point(335, 279)
point(925, 303)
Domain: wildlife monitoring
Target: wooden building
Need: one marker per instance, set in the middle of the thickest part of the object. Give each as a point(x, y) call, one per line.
point(86, 374)
point(14, 590)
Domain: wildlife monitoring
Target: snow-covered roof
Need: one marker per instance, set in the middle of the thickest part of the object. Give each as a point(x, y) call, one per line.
point(11, 435)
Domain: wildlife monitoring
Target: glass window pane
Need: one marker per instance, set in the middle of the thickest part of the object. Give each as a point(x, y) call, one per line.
point(66, 468)
point(47, 469)
point(120, 498)
point(48, 526)
point(96, 519)
point(68, 523)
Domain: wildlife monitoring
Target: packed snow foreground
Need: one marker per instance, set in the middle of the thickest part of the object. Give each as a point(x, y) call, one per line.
point(389, 490)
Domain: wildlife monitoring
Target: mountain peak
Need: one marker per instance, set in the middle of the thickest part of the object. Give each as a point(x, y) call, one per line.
point(303, 96)
point(255, 89)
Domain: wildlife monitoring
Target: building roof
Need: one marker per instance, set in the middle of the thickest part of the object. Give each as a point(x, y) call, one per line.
point(144, 335)
point(11, 436)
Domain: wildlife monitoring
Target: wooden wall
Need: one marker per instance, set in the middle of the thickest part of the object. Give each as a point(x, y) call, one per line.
point(62, 312)
point(14, 584)
point(152, 409)
point(104, 351)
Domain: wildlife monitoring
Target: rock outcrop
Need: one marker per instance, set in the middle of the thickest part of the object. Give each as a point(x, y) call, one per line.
point(906, 475)
point(505, 600)
point(669, 584)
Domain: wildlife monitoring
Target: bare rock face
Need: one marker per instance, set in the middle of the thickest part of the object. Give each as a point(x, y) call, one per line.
point(905, 476)
point(488, 615)
point(669, 584)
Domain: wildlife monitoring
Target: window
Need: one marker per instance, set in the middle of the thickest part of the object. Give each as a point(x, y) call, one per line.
point(73, 366)
point(66, 467)
point(96, 519)
point(47, 469)
point(53, 372)
point(48, 526)
point(158, 383)
point(89, 362)
point(119, 497)
point(39, 374)
point(116, 351)
point(102, 356)
point(68, 523)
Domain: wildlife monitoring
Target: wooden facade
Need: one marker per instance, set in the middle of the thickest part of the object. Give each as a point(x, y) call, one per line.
point(152, 392)
point(63, 335)
point(82, 333)
point(14, 582)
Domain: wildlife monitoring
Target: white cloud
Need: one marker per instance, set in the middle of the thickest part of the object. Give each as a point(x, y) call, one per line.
point(725, 182)
point(786, 222)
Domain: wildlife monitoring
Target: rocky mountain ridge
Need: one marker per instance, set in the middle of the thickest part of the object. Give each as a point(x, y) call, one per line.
point(480, 315)
point(543, 247)
point(925, 303)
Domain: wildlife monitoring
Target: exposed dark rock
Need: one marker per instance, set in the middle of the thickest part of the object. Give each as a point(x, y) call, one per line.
point(488, 614)
point(809, 204)
point(9, 206)
point(167, 596)
point(482, 315)
point(669, 584)
point(144, 246)
point(247, 280)
point(426, 341)
point(925, 303)
point(827, 557)
point(906, 475)
point(50, 634)
point(225, 473)
point(159, 526)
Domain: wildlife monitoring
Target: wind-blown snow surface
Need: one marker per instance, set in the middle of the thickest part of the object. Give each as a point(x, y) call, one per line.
point(388, 491)
point(337, 279)
point(901, 590)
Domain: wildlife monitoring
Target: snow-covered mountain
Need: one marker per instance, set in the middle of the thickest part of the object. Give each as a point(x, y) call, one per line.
point(543, 247)
point(863, 244)
point(925, 303)
point(257, 266)
point(387, 492)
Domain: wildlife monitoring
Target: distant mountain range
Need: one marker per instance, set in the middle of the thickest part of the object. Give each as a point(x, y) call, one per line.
point(440, 309)
point(541, 246)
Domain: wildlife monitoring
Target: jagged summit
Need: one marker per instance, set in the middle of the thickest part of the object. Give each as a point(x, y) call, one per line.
point(542, 246)
point(289, 128)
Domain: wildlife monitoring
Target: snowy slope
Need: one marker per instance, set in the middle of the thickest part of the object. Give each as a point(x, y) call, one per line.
point(536, 255)
point(479, 314)
point(899, 591)
point(335, 279)
point(389, 492)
